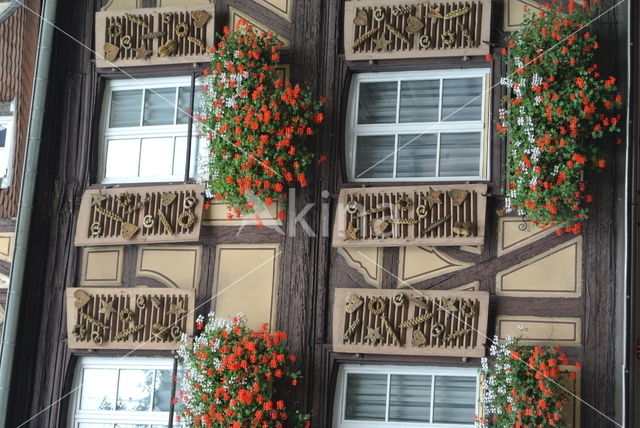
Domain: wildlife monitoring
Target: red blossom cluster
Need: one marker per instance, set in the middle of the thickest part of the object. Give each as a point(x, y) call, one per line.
point(527, 387)
point(557, 109)
point(255, 122)
point(230, 375)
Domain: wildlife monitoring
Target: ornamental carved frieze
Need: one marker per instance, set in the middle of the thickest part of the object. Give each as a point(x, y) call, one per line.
point(377, 29)
point(444, 323)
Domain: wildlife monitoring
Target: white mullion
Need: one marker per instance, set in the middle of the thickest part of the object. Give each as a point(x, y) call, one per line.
point(440, 101)
point(433, 396)
point(175, 106)
point(395, 157)
point(438, 156)
point(153, 389)
point(398, 102)
point(144, 99)
point(387, 404)
point(139, 155)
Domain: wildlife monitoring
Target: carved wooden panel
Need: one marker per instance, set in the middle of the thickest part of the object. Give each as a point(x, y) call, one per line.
point(167, 35)
point(411, 215)
point(131, 215)
point(444, 323)
point(377, 29)
point(128, 318)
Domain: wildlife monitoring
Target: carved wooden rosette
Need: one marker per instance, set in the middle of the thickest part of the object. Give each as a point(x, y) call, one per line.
point(413, 29)
point(134, 215)
point(128, 318)
point(434, 215)
point(147, 36)
point(443, 323)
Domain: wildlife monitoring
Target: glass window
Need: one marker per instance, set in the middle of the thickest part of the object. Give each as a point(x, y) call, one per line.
point(417, 126)
point(146, 132)
point(122, 392)
point(405, 396)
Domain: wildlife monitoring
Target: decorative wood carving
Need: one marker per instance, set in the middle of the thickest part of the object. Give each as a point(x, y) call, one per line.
point(133, 215)
point(416, 215)
point(443, 323)
point(128, 318)
point(167, 35)
point(413, 29)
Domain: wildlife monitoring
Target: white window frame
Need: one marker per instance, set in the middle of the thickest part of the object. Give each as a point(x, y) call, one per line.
point(9, 122)
point(77, 415)
point(341, 392)
point(353, 129)
point(142, 132)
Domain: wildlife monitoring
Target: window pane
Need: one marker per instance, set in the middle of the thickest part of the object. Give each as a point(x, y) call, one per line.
point(462, 99)
point(419, 101)
point(410, 398)
point(417, 155)
point(118, 425)
point(162, 396)
point(94, 425)
point(134, 390)
point(184, 97)
point(159, 106)
point(125, 108)
point(377, 102)
point(454, 400)
point(98, 389)
point(3, 135)
point(180, 153)
point(122, 158)
point(156, 157)
point(460, 155)
point(374, 156)
point(366, 397)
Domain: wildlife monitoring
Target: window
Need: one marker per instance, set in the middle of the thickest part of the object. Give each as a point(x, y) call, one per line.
point(145, 129)
point(7, 126)
point(396, 396)
point(122, 393)
point(417, 126)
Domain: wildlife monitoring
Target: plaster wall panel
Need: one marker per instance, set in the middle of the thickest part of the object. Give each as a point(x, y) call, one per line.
point(513, 233)
point(216, 215)
point(417, 264)
point(235, 15)
point(175, 266)
point(540, 330)
point(102, 266)
point(514, 11)
point(554, 273)
point(283, 8)
point(367, 261)
point(6, 245)
point(246, 281)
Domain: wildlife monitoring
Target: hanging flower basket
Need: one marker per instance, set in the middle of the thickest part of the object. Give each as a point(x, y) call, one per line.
point(522, 386)
point(558, 110)
point(229, 372)
point(256, 123)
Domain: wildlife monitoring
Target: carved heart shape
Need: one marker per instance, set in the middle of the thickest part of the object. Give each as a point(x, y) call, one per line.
point(168, 198)
point(414, 25)
point(111, 52)
point(458, 196)
point(418, 338)
point(168, 48)
point(353, 303)
point(128, 230)
point(361, 18)
point(82, 298)
point(200, 17)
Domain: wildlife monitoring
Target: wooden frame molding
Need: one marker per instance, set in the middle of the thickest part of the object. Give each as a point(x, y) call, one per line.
point(429, 215)
point(128, 318)
point(120, 35)
point(104, 219)
point(443, 323)
point(410, 29)
point(235, 15)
